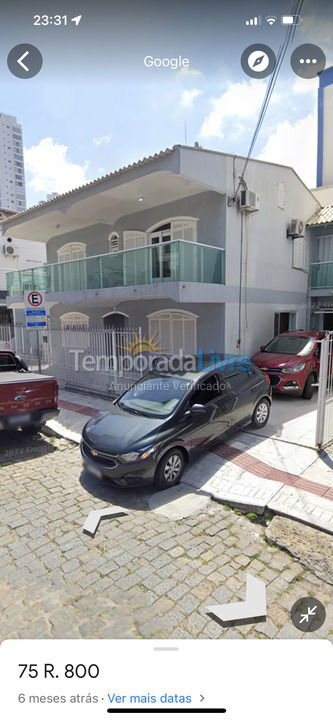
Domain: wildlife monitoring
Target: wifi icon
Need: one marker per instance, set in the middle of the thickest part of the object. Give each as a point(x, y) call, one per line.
point(271, 19)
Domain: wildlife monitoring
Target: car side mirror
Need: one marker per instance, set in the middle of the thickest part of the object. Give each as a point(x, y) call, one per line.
point(198, 409)
point(262, 348)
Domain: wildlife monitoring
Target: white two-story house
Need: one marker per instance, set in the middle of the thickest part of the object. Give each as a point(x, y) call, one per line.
point(163, 245)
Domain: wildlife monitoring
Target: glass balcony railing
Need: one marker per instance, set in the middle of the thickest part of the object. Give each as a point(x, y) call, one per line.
point(178, 260)
point(321, 275)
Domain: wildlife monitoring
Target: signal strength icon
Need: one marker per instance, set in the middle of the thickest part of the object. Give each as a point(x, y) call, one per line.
point(271, 19)
point(254, 21)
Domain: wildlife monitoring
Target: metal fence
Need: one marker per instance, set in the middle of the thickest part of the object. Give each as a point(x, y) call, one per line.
point(81, 358)
point(324, 427)
point(6, 337)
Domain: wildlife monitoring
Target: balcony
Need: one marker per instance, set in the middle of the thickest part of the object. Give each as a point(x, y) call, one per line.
point(178, 260)
point(321, 275)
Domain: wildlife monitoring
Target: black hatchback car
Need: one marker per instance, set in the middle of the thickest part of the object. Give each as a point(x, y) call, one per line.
point(155, 427)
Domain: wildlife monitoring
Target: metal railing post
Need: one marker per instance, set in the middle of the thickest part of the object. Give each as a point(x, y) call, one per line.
point(322, 391)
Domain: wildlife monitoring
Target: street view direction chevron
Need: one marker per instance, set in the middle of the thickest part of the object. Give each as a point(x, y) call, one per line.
point(254, 605)
point(95, 516)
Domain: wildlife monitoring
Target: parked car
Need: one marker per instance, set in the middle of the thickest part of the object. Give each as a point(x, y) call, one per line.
point(292, 362)
point(27, 400)
point(155, 427)
point(9, 361)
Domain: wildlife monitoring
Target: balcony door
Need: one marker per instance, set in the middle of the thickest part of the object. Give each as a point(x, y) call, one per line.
point(71, 272)
point(161, 256)
point(165, 257)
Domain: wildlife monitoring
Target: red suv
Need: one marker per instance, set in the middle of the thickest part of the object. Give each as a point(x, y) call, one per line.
point(292, 362)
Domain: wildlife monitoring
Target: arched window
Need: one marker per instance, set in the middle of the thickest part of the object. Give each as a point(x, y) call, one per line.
point(175, 330)
point(71, 251)
point(177, 228)
point(113, 242)
point(74, 330)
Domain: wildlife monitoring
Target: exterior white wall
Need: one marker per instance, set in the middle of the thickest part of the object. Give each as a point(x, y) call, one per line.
point(12, 182)
point(269, 282)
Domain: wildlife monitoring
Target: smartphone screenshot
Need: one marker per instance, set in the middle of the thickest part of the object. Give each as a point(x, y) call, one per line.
point(166, 359)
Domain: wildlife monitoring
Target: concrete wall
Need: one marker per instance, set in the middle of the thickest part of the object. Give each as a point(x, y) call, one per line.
point(269, 282)
point(208, 207)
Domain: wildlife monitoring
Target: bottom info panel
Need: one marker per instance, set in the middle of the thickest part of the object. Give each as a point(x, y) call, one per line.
point(263, 680)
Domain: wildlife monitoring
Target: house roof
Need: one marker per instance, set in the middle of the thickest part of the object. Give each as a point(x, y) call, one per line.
point(97, 181)
point(322, 216)
point(116, 173)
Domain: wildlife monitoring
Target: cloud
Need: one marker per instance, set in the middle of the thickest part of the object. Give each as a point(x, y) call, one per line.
point(295, 145)
point(239, 101)
point(103, 140)
point(301, 86)
point(187, 73)
point(189, 96)
point(50, 168)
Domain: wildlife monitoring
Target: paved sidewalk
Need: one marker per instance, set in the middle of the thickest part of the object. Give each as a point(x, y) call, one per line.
point(249, 470)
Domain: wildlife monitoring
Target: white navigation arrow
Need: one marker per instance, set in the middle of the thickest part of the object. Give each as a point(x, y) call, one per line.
point(254, 605)
point(20, 61)
point(95, 516)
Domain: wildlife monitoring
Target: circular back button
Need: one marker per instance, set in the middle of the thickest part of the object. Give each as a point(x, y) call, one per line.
point(24, 61)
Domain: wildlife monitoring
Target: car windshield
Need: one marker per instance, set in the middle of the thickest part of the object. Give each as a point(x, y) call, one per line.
point(156, 396)
point(290, 345)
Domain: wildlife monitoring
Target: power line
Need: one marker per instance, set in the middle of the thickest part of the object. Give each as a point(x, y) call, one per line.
point(290, 33)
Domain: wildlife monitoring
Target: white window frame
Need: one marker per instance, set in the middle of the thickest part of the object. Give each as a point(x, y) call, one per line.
point(70, 249)
point(185, 221)
point(72, 337)
point(113, 240)
point(300, 252)
point(171, 314)
point(135, 239)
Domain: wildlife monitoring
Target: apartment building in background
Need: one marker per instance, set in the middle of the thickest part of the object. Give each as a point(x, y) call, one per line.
point(12, 180)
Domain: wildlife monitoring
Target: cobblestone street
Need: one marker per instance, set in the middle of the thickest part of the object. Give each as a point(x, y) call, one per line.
point(142, 575)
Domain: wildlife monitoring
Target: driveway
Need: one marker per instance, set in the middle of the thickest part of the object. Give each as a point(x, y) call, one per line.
point(292, 420)
point(143, 575)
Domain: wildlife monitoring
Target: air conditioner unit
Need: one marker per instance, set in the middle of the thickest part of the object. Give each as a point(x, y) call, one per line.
point(11, 250)
point(296, 228)
point(249, 201)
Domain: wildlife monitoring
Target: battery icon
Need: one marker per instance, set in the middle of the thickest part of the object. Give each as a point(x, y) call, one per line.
point(291, 19)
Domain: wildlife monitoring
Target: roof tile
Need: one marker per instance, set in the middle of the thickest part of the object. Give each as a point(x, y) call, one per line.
point(322, 216)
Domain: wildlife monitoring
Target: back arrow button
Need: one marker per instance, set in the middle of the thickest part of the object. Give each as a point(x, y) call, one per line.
point(24, 61)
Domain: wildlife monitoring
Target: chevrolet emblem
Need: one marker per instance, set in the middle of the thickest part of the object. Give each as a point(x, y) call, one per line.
point(94, 453)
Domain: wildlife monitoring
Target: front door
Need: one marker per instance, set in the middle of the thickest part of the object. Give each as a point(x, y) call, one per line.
point(114, 325)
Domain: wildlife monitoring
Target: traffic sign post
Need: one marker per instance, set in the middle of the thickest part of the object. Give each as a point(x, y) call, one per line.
point(35, 315)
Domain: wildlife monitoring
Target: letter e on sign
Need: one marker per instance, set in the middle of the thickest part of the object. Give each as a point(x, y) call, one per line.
point(34, 299)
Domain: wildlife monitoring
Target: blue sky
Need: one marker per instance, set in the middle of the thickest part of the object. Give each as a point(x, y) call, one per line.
point(94, 107)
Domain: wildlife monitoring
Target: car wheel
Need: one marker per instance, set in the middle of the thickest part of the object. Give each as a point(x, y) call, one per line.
point(169, 469)
point(261, 413)
point(308, 389)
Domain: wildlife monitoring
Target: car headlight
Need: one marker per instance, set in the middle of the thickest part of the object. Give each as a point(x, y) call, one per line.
point(132, 456)
point(294, 369)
